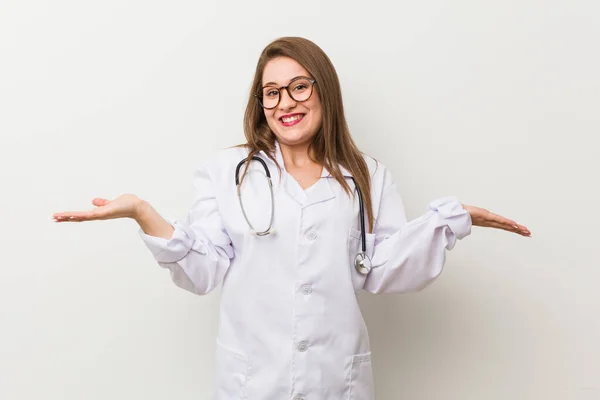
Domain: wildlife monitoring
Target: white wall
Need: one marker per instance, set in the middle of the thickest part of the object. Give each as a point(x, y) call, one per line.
point(495, 102)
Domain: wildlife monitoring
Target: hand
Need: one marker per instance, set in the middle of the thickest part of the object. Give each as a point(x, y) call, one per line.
point(482, 217)
point(124, 206)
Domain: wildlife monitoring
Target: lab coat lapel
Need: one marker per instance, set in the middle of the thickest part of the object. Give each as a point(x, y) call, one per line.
point(321, 191)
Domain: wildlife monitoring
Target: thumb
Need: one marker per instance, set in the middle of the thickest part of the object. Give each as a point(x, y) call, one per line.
point(98, 202)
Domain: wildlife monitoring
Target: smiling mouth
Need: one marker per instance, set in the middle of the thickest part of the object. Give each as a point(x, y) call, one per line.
point(291, 120)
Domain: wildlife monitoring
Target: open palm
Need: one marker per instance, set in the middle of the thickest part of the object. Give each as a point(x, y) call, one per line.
point(485, 218)
point(124, 206)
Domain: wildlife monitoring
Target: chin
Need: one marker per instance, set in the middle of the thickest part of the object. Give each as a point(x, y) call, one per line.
point(294, 138)
point(293, 135)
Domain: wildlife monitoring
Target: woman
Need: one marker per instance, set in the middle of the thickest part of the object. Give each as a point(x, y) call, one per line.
point(290, 326)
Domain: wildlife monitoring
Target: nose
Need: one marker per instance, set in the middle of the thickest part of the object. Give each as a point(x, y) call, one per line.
point(286, 102)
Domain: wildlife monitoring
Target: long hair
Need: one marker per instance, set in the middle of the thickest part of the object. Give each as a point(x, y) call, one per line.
point(332, 146)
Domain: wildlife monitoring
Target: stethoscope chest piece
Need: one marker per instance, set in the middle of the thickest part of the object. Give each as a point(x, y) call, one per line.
point(362, 263)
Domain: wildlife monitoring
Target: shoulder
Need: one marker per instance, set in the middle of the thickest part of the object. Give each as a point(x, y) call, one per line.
point(377, 170)
point(221, 164)
point(381, 177)
point(224, 158)
point(373, 165)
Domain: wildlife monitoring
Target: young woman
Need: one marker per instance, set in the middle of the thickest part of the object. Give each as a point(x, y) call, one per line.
point(291, 256)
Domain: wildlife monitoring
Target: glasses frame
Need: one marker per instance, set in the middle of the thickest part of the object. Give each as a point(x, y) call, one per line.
point(259, 97)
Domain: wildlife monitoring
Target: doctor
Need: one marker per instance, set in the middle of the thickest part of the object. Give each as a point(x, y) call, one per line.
point(291, 257)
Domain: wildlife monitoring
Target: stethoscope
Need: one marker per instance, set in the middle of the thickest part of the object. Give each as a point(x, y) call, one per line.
point(362, 262)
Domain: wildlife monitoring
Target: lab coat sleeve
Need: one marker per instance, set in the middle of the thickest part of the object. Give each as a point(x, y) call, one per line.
point(408, 256)
point(199, 252)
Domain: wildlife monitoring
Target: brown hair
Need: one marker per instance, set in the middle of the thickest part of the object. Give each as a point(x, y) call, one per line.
point(332, 145)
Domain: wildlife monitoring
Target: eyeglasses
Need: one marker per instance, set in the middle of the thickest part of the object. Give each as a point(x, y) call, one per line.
point(299, 89)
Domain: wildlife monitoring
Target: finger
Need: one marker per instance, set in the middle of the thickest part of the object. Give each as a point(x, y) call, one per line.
point(500, 219)
point(509, 224)
point(524, 230)
point(511, 228)
point(75, 216)
point(506, 227)
point(66, 219)
point(99, 202)
point(515, 227)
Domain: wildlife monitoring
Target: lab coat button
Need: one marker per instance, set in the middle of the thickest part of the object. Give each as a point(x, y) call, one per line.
point(311, 235)
point(302, 346)
point(298, 397)
point(306, 289)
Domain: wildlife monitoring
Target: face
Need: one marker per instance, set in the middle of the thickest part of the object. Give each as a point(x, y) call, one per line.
point(293, 123)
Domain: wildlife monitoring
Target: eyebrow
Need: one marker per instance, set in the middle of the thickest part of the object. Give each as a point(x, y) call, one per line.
point(291, 80)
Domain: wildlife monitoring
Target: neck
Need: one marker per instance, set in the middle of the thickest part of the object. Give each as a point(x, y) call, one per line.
point(296, 156)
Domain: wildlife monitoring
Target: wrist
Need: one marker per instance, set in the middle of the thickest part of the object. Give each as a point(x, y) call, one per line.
point(140, 209)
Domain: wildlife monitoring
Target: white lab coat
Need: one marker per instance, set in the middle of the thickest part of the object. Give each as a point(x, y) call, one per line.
point(290, 326)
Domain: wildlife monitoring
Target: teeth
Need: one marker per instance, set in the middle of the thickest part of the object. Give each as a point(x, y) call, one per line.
point(290, 119)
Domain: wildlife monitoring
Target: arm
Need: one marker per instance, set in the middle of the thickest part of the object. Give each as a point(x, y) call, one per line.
point(198, 251)
point(410, 256)
point(151, 222)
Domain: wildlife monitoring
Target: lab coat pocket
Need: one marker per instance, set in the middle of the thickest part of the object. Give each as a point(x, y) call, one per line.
point(232, 372)
point(355, 247)
point(361, 378)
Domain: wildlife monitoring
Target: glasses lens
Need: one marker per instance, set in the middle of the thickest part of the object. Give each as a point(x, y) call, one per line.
point(301, 89)
point(269, 96)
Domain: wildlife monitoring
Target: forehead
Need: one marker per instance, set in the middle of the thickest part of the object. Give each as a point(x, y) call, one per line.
point(281, 70)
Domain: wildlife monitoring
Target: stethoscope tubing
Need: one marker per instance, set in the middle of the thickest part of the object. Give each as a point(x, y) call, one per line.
point(362, 261)
point(363, 235)
point(239, 195)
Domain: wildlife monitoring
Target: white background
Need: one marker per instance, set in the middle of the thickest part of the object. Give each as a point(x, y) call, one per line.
point(494, 102)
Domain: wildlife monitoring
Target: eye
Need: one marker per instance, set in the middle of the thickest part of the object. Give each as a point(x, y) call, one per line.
point(270, 93)
point(300, 87)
